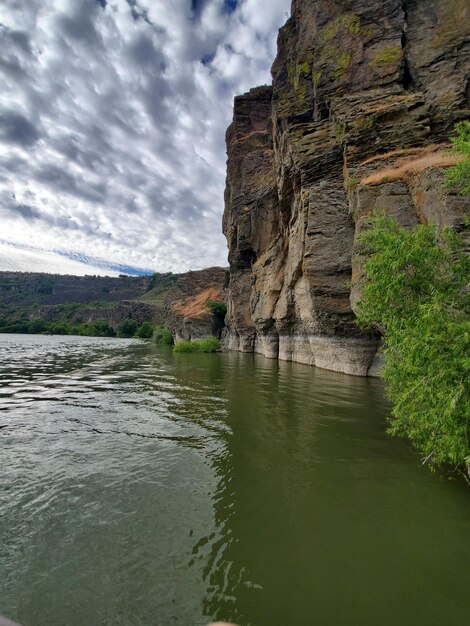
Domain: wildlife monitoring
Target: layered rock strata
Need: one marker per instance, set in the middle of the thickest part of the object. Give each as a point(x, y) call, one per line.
point(364, 98)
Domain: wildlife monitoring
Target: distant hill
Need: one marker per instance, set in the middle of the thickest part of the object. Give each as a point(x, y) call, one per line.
point(22, 291)
point(178, 301)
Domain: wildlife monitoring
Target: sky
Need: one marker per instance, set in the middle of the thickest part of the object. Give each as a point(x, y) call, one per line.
point(112, 128)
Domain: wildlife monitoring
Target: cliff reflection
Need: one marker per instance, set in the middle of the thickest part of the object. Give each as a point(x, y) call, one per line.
point(278, 462)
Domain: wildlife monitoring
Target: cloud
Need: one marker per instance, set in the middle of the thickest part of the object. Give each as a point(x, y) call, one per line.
point(112, 123)
point(24, 259)
point(16, 129)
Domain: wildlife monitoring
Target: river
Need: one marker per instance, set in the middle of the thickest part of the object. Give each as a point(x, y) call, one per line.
point(142, 487)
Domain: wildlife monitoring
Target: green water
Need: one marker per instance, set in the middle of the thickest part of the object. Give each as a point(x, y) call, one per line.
point(141, 487)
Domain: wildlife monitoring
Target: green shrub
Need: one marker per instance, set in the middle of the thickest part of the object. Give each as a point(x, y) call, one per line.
point(59, 328)
point(145, 331)
point(163, 335)
point(17, 326)
point(127, 328)
point(103, 329)
point(85, 330)
point(219, 311)
point(100, 328)
point(198, 345)
point(416, 290)
point(459, 175)
point(37, 326)
point(217, 308)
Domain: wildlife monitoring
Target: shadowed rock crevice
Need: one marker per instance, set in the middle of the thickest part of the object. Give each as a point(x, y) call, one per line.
point(407, 76)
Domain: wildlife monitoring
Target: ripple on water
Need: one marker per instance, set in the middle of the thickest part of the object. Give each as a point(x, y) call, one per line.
point(143, 487)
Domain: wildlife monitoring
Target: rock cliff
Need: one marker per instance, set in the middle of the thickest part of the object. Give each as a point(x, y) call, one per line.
point(364, 98)
point(182, 305)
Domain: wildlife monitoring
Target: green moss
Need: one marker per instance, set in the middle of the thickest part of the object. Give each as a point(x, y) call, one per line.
point(340, 133)
point(291, 73)
point(295, 71)
point(301, 96)
point(386, 56)
point(349, 22)
point(331, 62)
point(254, 91)
point(333, 56)
point(352, 184)
point(303, 68)
point(342, 63)
point(451, 26)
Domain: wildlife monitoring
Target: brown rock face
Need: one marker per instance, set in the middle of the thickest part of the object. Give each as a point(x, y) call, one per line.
point(364, 97)
point(181, 304)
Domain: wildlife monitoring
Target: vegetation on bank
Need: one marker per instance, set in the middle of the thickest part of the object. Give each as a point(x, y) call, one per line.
point(416, 291)
point(38, 326)
point(162, 335)
point(127, 329)
point(211, 344)
point(459, 175)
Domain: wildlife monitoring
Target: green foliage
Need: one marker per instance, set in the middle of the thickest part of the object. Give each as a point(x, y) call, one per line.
point(37, 326)
point(100, 328)
point(103, 329)
point(16, 326)
point(352, 184)
point(145, 331)
point(128, 328)
point(204, 345)
point(45, 288)
point(59, 328)
point(416, 291)
point(163, 335)
point(459, 175)
point(218, 309)
point(387, 56)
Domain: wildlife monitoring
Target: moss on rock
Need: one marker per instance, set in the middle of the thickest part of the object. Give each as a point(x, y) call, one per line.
point(388, 55)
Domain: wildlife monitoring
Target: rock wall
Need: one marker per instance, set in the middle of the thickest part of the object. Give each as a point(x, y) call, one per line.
point(182, 303)
point(364, 98)
point(188, 316)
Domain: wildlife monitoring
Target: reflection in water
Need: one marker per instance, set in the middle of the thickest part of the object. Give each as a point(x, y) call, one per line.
point(144, 487)
point(321, 519)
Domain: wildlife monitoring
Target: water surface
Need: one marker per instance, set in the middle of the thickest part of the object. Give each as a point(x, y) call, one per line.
point(142, 487)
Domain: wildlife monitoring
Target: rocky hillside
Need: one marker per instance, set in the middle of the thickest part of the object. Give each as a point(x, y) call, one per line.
point(178, 301)
point(364, 98)
point(183, 303)
point(29, 289)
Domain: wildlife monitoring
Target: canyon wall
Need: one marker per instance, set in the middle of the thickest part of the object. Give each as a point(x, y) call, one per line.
point(364, 98)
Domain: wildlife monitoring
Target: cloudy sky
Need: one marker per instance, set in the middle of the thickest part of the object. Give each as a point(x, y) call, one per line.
point(112, 123)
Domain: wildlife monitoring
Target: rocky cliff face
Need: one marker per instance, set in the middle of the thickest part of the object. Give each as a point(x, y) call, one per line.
point(182, 304)
point(364, 98)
